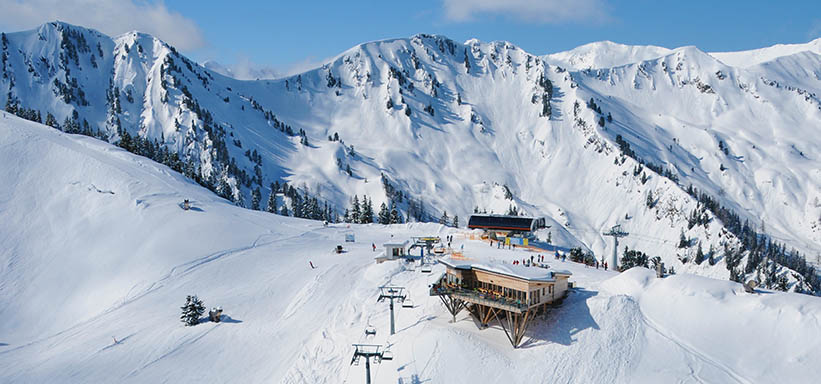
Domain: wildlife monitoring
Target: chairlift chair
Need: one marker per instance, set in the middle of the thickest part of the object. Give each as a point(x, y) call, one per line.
point(387, 355)
point(407, 303)
point(370, 331)
point(426, 268)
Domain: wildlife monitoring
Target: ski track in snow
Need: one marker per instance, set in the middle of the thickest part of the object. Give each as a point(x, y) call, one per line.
point(184, 269)
point(700, 355)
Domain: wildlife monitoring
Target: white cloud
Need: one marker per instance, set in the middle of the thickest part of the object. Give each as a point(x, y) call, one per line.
point(304, 65)
point(244, 69)
point(537, 11)
point(111, 17)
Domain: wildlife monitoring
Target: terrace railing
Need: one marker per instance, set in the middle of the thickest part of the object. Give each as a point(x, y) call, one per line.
point(475, 295)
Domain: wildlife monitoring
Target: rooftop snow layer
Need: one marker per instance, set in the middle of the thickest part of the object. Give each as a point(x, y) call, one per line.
point(519, 271)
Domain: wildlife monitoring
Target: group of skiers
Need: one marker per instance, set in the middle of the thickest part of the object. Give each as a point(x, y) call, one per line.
point(530, 262)
point(499, 245)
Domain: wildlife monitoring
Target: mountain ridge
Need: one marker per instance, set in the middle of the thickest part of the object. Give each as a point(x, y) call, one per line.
point(407, 110)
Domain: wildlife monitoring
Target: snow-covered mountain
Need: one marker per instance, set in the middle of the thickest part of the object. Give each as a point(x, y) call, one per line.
point(97, 255)
point(601, 135)
point(604, 54)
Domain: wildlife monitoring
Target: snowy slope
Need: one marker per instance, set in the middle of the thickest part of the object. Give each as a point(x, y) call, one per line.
point(743, 59)
point(455, 126)
point(94, 246)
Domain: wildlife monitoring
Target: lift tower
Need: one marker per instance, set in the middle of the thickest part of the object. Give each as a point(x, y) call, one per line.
point(367, 351)
point(616, 232)
point(391, 292)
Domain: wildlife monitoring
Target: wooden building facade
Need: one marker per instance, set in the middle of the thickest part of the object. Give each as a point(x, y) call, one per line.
point(510, 294)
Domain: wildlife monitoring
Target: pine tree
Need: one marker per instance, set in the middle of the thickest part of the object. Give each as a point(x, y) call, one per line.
point(224, 189)
point(366, 217)
point(256, 196)
point(192, 310)
point(699, 255)
point(239, 199)
point(710, 258)
point(683, 241)
point(356, 210)
point(284, 210)
point(272, 201)
point(384, 214)
point(456, 221)
point(51, 121)
point(444, 220)
point(395, 218)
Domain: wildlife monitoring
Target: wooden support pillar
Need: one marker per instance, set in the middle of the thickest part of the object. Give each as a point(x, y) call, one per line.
point(453, 305)
point(515, 325)
point(488, 315)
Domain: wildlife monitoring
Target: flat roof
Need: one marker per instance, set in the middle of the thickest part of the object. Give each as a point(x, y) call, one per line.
point(507, 269)
point(396, 244)
point(502, 222)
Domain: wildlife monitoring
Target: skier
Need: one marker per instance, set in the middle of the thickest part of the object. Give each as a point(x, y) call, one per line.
point(311, 264)
point(605, 265)
point(374, 246)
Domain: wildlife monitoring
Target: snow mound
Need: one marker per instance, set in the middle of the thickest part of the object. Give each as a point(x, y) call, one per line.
point(630, 282)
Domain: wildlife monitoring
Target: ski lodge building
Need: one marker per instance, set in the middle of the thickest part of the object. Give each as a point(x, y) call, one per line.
point(511, 294)
point(506, 224)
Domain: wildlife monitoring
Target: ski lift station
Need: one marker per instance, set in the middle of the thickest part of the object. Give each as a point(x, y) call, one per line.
point(511, 294)
point(393, 251)
point(506, 225)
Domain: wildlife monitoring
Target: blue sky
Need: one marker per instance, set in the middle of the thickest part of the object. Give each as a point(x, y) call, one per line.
point(292, 35)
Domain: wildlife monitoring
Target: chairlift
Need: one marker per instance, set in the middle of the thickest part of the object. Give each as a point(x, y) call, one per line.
point(407, 303)
point(370, 331)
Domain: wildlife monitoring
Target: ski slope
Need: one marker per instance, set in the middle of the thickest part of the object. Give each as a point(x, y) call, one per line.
point(95, 246)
